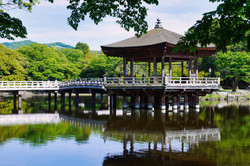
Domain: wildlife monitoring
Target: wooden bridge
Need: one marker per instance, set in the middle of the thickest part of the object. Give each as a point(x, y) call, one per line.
point(139, 89)
point(113, 83)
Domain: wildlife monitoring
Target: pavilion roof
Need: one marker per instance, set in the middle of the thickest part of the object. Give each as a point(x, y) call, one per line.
point(155, 36)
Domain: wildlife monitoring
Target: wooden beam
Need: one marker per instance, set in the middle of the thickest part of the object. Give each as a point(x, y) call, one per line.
point(170, 67)
point(155, 67)
point(162, 66)
point(132, 67)
point(124, 66)
point(149, 69)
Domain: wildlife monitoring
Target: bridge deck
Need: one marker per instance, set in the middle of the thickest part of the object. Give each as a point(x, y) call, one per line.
point(114, 83)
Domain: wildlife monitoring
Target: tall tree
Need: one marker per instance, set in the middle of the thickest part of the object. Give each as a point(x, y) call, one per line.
point(235, 66)
point(48, 62)
point(83, 47)
point(12, 65)
point(228, 24)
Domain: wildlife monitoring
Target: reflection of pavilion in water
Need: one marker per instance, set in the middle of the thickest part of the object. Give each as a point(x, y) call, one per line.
point(170, 137)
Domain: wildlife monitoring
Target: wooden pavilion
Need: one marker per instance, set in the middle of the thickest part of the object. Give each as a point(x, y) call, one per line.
point(156, 46)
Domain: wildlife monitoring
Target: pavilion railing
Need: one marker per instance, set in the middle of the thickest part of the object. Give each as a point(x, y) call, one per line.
point(28, 84)
point(192, 81)
point(133, 81)
point(83, 82)
point(161, 81)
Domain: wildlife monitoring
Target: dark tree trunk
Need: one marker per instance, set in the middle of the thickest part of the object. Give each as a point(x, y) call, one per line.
point(235, 84)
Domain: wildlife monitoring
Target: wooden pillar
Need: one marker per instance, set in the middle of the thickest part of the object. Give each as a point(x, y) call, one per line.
point(190, 67)
point(132, 102)
point(14, 101)
point(69, 101)
point(76, 102)
point(137, 101)
point(167, 102)
point(175, 100)
point(49, 99)
point(114, 105)
point(55, 101)
point(62, 101)
point(162, 66)
point(150, 106)
point(109, 101)
point(142, 101)
point(93, 102)
point(170, 67)
point(186, 102)
point(102, 103)
point(163, 102)
point(197, 103)
point(196, 67)
point(182, 69)
point(149, 69)
point(20, 111)
point(124, 66)
point(155, 67)
point(125, 102)
point(132, 67)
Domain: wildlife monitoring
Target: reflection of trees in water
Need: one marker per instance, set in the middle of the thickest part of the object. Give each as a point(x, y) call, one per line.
point(232, 149)
point(41, 134)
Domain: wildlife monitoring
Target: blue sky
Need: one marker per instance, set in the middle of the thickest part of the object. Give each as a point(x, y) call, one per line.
point(47, 22)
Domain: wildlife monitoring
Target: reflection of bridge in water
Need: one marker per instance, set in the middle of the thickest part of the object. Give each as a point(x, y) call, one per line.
point(24, 119)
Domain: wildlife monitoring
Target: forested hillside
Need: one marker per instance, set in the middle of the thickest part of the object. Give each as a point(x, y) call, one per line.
point(14, 45)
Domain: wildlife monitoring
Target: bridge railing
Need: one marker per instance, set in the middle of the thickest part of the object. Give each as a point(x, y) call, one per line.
point(29, 84)
point(133, 81)
point(161, 81)
point(83, 82)
point(192, 81)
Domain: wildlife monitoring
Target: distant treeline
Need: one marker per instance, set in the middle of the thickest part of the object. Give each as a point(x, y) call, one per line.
point(43, 62)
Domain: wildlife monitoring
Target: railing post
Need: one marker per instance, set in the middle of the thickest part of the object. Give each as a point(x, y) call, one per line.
point(219, 81)
point(104, 80)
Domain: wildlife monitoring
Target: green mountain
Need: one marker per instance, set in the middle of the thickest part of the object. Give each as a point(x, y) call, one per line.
point(14, 45)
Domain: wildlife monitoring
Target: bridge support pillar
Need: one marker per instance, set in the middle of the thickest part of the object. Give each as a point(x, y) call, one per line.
point(125, 102)
point(102, 103)
point(175, 106)
point(186, 102)
point(55, 101)
point(76, 102)
point(150, 106)
point(142, 101)
point(49, 100)
point(167, 102)
point(62, 101)
point(14, 102)
point(93, 103)
point(137, 102)
point(70, 94)
point(20, 111)
point(197, 104)
point(163, 102)
point(132, 102)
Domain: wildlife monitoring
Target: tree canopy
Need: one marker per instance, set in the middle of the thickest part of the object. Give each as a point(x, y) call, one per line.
point(229, 24)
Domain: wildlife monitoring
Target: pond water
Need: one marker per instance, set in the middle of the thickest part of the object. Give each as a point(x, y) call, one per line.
point(217, 134)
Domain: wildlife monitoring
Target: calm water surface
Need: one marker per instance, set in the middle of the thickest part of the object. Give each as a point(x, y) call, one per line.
point(216, 135)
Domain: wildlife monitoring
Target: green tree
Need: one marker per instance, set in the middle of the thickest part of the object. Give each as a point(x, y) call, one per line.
point(48, 62)
point(83, 47)
point(12, 64)
point(228, 25)
point(11, 27)
point(235, 66)
point(99, 65)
